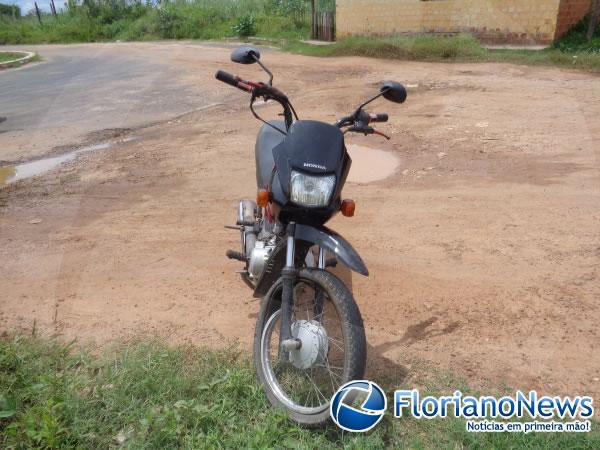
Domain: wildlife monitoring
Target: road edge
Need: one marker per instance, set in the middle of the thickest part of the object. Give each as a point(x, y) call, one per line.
point(19, 61)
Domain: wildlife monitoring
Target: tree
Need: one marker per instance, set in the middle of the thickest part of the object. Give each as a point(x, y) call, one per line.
point(594, 16)
point(313, 18)
point(10, 10)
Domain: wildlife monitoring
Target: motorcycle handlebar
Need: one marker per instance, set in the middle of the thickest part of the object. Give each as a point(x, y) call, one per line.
point(378, 118)
point(232, 80)
point(260, 89)
point(226, 77)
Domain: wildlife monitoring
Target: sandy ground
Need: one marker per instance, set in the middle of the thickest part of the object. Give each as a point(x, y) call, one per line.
point(483, 246)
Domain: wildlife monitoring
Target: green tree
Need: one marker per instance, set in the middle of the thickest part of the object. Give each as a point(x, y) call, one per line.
point(10, 10)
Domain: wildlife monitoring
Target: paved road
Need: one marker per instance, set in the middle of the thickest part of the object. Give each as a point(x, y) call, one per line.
point(80, 89)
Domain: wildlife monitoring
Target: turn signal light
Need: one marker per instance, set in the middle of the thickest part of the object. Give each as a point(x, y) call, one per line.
point(347, 208)
point(262, 198)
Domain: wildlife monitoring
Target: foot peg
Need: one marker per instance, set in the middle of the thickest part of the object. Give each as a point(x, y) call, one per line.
point(232, 254)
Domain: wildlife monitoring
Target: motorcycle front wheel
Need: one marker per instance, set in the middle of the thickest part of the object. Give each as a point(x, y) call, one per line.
point(328, 324)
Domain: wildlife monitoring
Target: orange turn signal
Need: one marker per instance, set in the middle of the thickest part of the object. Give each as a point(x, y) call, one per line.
point(262, 198)
point(347, 207)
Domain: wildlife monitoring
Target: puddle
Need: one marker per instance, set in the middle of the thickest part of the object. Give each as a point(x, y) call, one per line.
point(10, 174)
point(6, 173)
point(369, 164)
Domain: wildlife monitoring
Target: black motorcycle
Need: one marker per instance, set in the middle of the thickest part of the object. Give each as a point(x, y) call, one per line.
point(309, 337)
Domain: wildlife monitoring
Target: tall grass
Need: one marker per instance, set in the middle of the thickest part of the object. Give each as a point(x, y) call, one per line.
point(98, 20)
point(145, 394)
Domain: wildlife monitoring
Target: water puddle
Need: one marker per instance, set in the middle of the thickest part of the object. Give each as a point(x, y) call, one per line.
point(369, 164)
point(5, 174)
point(10, 174)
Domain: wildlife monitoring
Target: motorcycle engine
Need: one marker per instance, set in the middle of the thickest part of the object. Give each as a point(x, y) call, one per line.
point(259, 256)
point(258, 240)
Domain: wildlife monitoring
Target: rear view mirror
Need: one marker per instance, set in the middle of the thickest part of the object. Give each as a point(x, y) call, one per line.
point(393, 91)
point(245, 55)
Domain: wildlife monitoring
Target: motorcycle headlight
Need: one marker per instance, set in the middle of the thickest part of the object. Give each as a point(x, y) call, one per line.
point(309, 190)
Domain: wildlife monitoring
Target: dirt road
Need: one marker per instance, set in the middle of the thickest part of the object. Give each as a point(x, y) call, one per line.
point(483, 247)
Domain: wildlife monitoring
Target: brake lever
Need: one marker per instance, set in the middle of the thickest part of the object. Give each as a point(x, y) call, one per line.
point(366, 130)
point(381, 134)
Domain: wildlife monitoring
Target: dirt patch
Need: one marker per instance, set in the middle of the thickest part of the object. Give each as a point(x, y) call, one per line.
point(483, 245)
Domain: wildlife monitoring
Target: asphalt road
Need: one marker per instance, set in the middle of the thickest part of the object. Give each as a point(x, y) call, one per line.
point(79, 89)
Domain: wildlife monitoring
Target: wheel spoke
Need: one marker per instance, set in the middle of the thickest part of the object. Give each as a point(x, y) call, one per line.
point(334, 342)
point(303, 384)
point(332, 374)
point(318, 391)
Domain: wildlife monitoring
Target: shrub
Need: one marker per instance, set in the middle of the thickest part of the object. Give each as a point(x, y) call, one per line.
point(245, 26)
point(576, 39)
point(97, 20)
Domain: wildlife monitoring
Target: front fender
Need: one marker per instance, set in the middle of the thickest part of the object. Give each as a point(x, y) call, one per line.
point(309, 236)
point(336, 244)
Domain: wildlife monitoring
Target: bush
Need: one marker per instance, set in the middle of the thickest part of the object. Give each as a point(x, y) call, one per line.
point(98, 20)
point(245, 26)
point(576, 40)
point(10, 10)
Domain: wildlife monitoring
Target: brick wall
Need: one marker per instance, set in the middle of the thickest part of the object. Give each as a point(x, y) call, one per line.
point(569, 13)
point(494, 21)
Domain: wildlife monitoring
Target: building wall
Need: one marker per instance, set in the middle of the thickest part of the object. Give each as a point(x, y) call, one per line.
point(569, 13)
point(495, 21)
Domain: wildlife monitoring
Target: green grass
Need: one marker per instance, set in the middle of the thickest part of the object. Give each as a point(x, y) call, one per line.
point(422, 48)
point(97, 21)
point(145, 394)
point(9, 56)
point(459, 48)
point(185, 22)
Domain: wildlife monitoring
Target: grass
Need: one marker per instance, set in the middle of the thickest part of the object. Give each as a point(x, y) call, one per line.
point(145, 394)
point(458, 48)
point(184, 22)
point(98, 21)
point(9, 56)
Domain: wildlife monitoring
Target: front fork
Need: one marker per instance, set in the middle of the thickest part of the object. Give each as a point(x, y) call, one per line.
point(288, 275)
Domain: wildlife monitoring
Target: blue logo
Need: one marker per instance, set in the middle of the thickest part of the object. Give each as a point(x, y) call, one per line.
point(355, 419)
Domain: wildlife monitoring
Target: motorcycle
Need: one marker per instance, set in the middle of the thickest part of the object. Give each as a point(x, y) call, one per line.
point(309, 338)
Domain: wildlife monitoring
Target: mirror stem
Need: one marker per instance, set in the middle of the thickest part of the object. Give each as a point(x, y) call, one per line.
point(265, 69)
point(367, 102)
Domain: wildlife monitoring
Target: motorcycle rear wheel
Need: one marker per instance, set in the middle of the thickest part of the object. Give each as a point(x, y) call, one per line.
point(327, 321)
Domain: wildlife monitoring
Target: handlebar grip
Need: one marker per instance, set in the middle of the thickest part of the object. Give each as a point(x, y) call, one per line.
point(378, 117)
point(226, 77)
